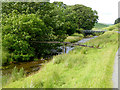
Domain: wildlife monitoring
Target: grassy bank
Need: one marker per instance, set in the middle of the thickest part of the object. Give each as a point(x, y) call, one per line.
point(74, 38)
point(99, 26)
point(80, 68)
point(113, 27)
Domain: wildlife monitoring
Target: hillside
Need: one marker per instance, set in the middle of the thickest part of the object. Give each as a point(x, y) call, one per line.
point(100, 26)
point(112, 27)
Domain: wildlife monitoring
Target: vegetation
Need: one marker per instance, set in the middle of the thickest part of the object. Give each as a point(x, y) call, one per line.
point(26, 22)
point(99, 26)
point(81, 68)
point(16, 75)
point(117, 21)
point(84, 17)
point(113, 27)
point(74, 38)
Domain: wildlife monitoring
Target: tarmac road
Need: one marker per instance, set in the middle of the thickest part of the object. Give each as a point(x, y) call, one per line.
point(115, 72)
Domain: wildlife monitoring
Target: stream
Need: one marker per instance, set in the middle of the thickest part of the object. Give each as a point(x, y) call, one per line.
point(33, 66)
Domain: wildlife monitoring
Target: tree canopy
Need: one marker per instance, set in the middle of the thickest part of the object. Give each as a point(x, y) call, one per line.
point(117, 21)
point(24, 22)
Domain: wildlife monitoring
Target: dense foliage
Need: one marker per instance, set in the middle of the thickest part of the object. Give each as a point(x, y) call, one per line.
point(117, 20)
point(84, 16)
point(25, 22)
point(19, 33)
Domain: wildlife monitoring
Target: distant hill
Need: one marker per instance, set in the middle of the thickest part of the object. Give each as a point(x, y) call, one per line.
point(100, 26)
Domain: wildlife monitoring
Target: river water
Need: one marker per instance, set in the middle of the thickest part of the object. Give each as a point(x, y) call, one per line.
point(33, 66)
point(81, 41)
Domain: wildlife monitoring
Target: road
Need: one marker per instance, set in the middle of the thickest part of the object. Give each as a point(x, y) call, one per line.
point(115, 72)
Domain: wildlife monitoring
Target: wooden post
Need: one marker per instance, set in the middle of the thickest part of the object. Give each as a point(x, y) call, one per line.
point(63, 48)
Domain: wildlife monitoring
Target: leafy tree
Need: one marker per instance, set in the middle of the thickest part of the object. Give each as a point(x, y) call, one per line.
point(84, 16)
point(117, 21)
point(25, 22)
point(20, 30)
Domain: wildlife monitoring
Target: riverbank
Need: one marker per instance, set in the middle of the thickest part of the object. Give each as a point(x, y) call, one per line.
point(74, 38)
point(33, 66)
point(81, 68)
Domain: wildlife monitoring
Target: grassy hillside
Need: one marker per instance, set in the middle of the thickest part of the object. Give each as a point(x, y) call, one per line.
point(81, 68)
point(113, 27)
point(100, 26)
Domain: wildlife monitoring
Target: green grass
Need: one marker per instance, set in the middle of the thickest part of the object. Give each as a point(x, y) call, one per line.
point(113, 27)
point(99, 26)
point(74, 38)
point(81, 68)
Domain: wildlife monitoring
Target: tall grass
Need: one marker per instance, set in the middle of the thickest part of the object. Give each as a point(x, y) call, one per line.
point(14, 76)
point(74, 38)
point(80, 68)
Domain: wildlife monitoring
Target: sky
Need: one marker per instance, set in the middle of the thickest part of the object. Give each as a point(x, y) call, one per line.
point(107, 9)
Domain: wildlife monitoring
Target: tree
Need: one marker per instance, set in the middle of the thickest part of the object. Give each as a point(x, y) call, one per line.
point(25, 22)
point(18, 33)
point(117, 20)
point(84, 16)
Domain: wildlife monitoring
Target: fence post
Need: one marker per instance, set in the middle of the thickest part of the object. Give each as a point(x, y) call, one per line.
point(63, 48)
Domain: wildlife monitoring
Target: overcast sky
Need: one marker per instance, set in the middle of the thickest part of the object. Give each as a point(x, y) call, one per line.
point(107, 9)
